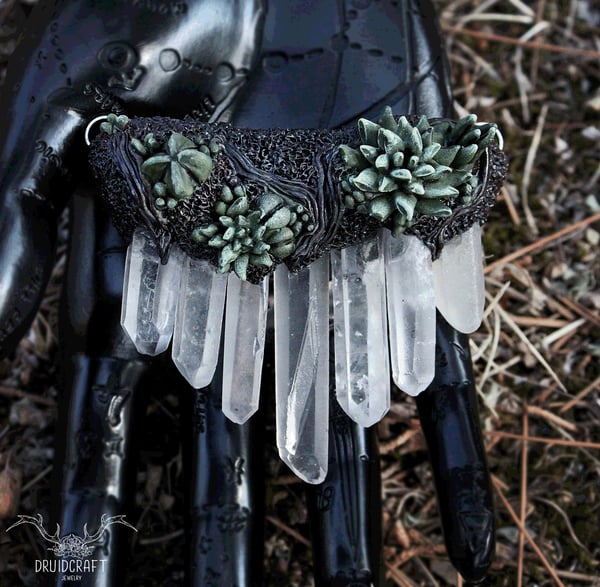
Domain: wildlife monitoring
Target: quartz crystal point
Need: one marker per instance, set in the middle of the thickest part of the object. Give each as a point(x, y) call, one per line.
point(458, 280)
point(362, 373)
point(198, 321)
point(150, 292)
point(302, 368)
point(411, 312)
point(244, 346)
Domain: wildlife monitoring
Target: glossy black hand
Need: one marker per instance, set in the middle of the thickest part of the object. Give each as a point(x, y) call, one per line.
point(77, 60)
point(450, 420)
point(317, 65)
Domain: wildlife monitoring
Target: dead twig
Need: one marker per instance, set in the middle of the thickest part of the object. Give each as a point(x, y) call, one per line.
point(38, 399)
point(529, 162)
point(585, 391)
point(523, 509)
point(543, 242)
point(520, 334)
point(526, 44)
point(399, 577)
point(550, 417)
point(295, 535)
point(521, 527)
point(549, 441)
point(580, 310)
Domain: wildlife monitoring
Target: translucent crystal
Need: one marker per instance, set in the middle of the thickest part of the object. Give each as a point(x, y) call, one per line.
point(411, 312)
point(198, 321)
point(302, 368)
point(362, 372)
point(459, 282)
point(244, 346)
point(150, 292)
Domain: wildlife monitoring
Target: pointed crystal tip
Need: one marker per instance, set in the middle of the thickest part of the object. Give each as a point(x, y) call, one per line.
point(149, 294)
point(360, 330)
point(459, 282)
point(244, 346)
point(411, 313)
point(307, 467)
point(412, 386)
point(198, 319)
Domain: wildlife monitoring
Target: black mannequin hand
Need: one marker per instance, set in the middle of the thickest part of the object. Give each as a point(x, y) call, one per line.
point(211, 58)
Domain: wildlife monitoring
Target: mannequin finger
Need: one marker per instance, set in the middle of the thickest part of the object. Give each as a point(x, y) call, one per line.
point(226, 491)
point(450, 420)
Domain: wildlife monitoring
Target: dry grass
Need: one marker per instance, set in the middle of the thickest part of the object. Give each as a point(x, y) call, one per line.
point(532, 66)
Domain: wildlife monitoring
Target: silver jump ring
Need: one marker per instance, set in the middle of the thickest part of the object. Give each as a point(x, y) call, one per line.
point(89, 126)
point(500, 139)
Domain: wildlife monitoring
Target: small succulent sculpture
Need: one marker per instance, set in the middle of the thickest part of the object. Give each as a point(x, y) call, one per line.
point(252, 233)
point(113, 123)
point(175, 171)
point(401, 170)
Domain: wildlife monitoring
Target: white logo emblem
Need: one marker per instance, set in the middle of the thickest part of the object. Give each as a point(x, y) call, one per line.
point(72, 545)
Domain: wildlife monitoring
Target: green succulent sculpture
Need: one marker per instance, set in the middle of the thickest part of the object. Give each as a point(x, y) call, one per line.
point(401, 170)
point(252, 233)
point(114, 123)
point(177, 170)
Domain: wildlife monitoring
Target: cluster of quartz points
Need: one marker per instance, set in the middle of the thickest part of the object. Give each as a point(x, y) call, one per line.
point(385, 293)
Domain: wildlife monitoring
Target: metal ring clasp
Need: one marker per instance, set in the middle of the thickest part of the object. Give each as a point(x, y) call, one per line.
point(89, 126)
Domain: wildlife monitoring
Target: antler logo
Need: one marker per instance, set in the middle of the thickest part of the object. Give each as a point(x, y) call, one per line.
point(72, 545)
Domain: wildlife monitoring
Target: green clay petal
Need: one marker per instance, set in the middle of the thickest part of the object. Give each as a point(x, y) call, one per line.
point(446, 155)
point(240, 266)
point(197, 163)
point(398, 159)
point(369, 153)
point(423, 170)
point(177, 142)
point(461, 127)
point(279, 219)
point(283, 250)
point(229, 234)
point(405, 204)
point(416, 142)
point(155, 167)
point(217, 242)
point(389, 141)
point(466, 156)
point(280, 235)
point(386, 185)
point(423, 125)
point(368, 131)
point(208, 231)
point(382, 163)
point(179, 182)
point(351, 157)
point(262, 260)
point(268, 202)
point(471, 137)
point(228, 255)
point(415, 187)
point(433, 208)
point(431, 151)
point(239, 206)
point(387, 120)
point(401, 174)
point(366, 180)
point(440, 190)
point(381, 208)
